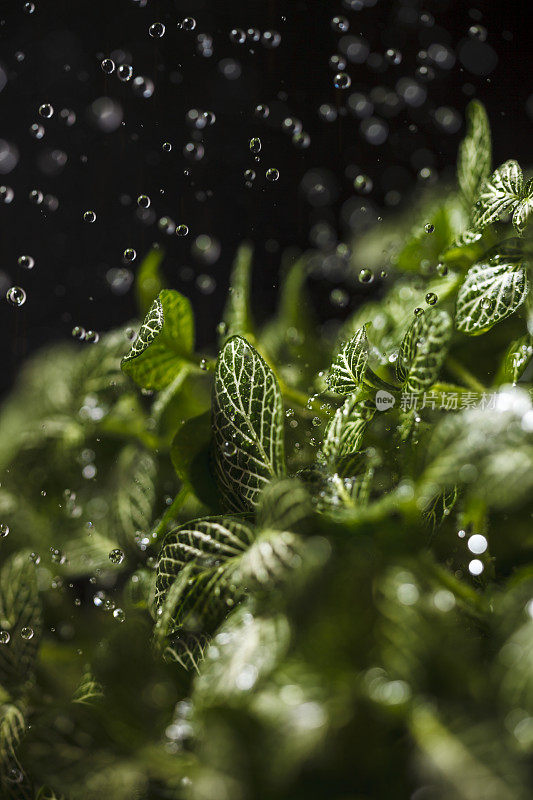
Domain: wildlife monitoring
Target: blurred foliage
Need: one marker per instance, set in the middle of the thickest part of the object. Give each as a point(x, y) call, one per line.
point(258, 582)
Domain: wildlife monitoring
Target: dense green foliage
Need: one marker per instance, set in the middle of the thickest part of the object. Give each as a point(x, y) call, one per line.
point(303, 569)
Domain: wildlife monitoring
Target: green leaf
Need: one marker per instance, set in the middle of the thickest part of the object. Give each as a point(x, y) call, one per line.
point(516, 360)
point(14, 783)
point(439, 507)
point(475, 152)
point(247, 424)
point(491, 293)
point(187, 650)
point(88, 690)
point(195, 571)
point(284, 505)
point(523, 208)
point(237, 313)
point(423, 350)
point(134, 495)
point(348, 370)
point(20, 609)
point(190, 453)
point(164, 344)
point(499, 192)
point(423, 248)
point(148, 282)
point(346, 428)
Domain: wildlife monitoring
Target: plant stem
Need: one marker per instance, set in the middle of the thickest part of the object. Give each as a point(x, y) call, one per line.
point(171, 511)
point(461, 372)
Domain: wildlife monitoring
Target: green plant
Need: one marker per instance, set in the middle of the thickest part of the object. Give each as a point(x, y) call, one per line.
point(303, 569)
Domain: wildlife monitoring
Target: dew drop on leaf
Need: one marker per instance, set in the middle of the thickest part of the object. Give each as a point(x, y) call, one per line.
point(116, 556)
point(230, 448)
point(431, 298)
point(5, 637)
point(16, 296)
point(429, 228)
point(26, 633)
point(119, 615)
point(366, 276)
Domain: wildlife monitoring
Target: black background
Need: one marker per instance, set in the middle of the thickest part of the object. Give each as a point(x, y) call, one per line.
point(63, 43)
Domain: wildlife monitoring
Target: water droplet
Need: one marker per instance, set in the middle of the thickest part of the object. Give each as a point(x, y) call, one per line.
point(271, 39)
point(261, 111)
point(156, 30)
point(203, 364)
point(431, 298)
point(46, 110)
point(35, 558)
point(78, 333)
point(429, 228)
point(249, 175)
point(230, 448)
point(89, 216)
point(4, 530)
point(143, 201)
point(475, 567)
point(26, 262)
point(272, 174)
point(342, 80)
point(255, 145)
point(143, 87)
point(477, 32)
point(182, 230)
point(477, 544)
point(92, 337)
point(6, 195)
point(301, 140)
point(237, 36)
point(340, 24)
point(393, 56)
point(129, 254)
point(337, 63)
point(29, 8)
point(57, 555)
point(37, 131)
point(108, 66)
point(363, 184)
point(366, 276)
point(194, 151)
point(26, 633)
point(125, 72)
point(36, 197)
point(418, 311)
point(167, 147)
point(188, 24)
point(442, 270)
point(5, 637)
point(16, 296)
point(116, 556)
point(119, 615)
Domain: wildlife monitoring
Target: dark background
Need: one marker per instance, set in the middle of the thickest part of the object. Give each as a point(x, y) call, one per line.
point(54, 55)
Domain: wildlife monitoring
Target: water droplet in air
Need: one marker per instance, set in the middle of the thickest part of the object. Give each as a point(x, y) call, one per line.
point(237, 36)
point(6, 194)
point(366, 276)
point(78, 333)
point(271, 39)
point(143, 201)
point(124, 72)
point(26, 633)
point(119, 615)
point(108, 66)
point(36, 197)
point(393, 56)
point(431, 298)
point(4, 530)
point(182, 230)
point(255, 145)
point(429, 228)
point(156, 30)
point(92, 337)
point(337, 63)
point(143, 87)
point(5, 637)
point(272, 174)
point(342, 80)
point(477, 32)
point(16, 296)
point(116, 556)
point(340, 24)
point(129, 254)
point(167, 147)
point(301, 140)
point(188, 24)
point(46, 110)
point(37, 131)
point(29, 8)
point(363, 184)
point(475, 567)
point(57, 555)
point(35, 558)
point(89, 216)
point(194, 151)
point(249, 175)
point(203, 364)
point(261, 111)
point(26, 262)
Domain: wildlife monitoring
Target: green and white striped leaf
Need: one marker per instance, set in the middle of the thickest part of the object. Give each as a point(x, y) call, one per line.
point(284, 505)
point(491, 292)
point(164, 344)
point(135, 493)
point(439, 507)
point(20, 608)
point(423, 350)
point(14, 783)
point(499, 193)
point(237, 313)
point(247, 425)
point(194, 572)
point(523, 208)
point(346, 428)
point(348, 370)
point(88, 690)
point(475, 152)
